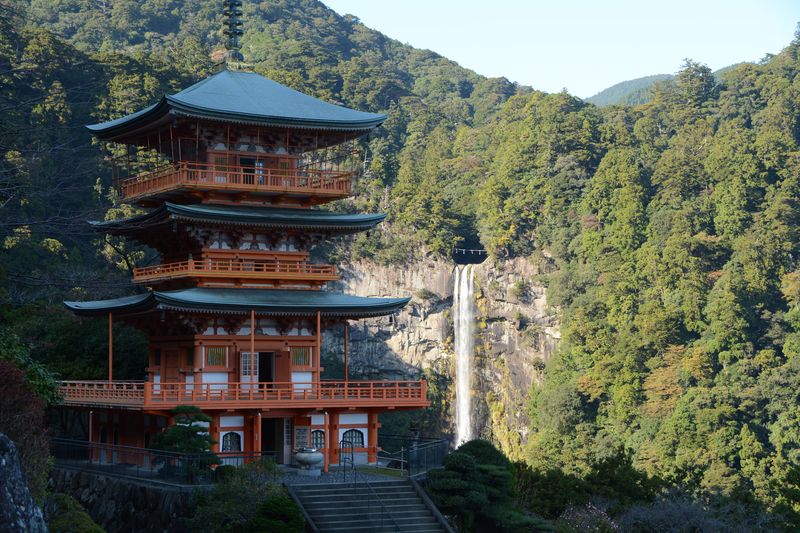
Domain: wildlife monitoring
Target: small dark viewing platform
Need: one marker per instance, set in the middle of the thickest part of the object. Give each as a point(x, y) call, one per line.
point(469, 256)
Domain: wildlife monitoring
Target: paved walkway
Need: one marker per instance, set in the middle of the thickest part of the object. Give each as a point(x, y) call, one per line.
point(291, 477)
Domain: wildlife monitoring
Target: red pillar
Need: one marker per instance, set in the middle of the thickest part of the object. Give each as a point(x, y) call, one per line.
point(252, 348)
point(110, 347)
point(327, 451)
point(332, 437)
point(372, 438)
point(256, 445)
point(346, 342)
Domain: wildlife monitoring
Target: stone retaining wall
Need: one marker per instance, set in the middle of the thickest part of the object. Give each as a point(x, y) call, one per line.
point(123, 505)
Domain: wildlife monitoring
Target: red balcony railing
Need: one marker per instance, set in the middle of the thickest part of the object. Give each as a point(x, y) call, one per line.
point(237, 268)
point(133, 394)
point(208, 176)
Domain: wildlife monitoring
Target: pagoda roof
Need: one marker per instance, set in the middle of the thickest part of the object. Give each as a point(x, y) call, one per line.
point(244, 98)
point(270, 302)
point(250, 216)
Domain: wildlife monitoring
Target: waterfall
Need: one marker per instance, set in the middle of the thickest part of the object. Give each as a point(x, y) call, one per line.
point(463, 325)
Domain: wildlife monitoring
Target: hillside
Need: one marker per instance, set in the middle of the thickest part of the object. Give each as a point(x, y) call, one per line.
point(639, 90)
point(666, 233)
point(630, 92)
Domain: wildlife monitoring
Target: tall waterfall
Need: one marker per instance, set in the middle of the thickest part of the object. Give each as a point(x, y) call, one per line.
point(463, 325)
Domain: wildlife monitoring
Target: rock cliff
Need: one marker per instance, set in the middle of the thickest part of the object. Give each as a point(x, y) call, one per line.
point(18, 511)
point(515, 334)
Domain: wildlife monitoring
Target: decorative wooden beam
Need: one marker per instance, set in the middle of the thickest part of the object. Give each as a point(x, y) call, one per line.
point(110, 347)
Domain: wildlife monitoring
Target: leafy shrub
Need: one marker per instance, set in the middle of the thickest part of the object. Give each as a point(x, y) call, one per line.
point(22, 420)
point(235, 500)
point(278, 514)
point(520, 290)
point(65, 515)
point(224, 471)
point(425, 294)
point(475, 487)
point(484, 452)
point(585, 519)
point(613, 480)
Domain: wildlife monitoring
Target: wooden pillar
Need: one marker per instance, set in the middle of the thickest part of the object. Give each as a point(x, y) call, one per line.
point(372, 438)
point(256, 445)
point(197, 367)
point(91, 436)
point(346, 342)
point(252, 346)
point(213, 432)
point(110, 347)
point(332, 437)
point(326, 454)
point(318, 365)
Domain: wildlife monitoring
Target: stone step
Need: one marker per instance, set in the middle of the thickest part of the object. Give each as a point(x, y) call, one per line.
point(356, 508)
point(399, 507)
point(356, 502)
point(392, 489)
point(402, 525)
point(372, 528)
point(422, 514)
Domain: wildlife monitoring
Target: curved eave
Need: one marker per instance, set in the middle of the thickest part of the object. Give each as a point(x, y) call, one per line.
point(271, 218)
point(376, 307)
point(127, 305)
point(159, 114)
point(195, 111)
point(264, 302)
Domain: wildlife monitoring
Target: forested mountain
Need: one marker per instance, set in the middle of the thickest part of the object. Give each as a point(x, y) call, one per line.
point(640, 90)
point(630, 92)
point(669, 230)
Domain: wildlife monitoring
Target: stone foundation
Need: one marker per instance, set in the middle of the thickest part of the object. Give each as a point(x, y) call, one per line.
point(122, 505)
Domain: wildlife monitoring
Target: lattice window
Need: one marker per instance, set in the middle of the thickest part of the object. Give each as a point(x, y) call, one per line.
point(318, 439)
point(246, 365)
point(355, 436)
point(231, 442)
point(216, 356)
point(301, 356)
point(220, 163)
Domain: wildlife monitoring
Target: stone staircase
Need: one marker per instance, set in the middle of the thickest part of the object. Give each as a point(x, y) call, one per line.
point(378, 506)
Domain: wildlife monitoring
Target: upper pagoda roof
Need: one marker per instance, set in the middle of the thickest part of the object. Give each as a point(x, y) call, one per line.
point(244, 98)
point(249, 216)
point(270, 302)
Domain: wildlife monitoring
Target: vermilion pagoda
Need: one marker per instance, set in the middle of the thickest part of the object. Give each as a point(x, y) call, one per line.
point(235, 311)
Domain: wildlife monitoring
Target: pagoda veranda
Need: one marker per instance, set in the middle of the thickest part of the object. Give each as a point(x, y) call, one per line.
point(235, 309)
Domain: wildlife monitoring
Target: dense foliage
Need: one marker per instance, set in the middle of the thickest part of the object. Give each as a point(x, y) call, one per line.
point(476, 489)
point(183, 436)
point(248, 498)
point(22, 420)
point(64, 514)
point(668, 230)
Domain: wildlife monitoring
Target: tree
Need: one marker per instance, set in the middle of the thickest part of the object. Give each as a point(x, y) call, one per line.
point(22, 420)
point(189, 433)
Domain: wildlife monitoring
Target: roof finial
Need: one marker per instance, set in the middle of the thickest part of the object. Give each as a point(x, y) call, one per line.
point(233, 10)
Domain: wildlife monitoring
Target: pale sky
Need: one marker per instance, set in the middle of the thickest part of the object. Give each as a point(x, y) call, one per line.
point(583, 45)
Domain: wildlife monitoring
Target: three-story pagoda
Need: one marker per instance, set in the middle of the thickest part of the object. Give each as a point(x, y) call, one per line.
point(235, 311)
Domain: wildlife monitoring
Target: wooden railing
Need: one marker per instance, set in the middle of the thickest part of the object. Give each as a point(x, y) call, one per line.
point(210, 176)
point(286, 394)
point(237, 268)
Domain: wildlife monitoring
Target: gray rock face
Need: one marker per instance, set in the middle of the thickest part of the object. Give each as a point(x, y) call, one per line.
point(18, 511)
point(515, 334)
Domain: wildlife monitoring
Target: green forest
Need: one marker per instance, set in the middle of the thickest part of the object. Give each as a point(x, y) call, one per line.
point(668, 231)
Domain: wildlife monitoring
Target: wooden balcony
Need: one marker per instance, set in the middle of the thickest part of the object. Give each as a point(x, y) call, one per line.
point(238, 269)
point(140, 395)
point(207, 178)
